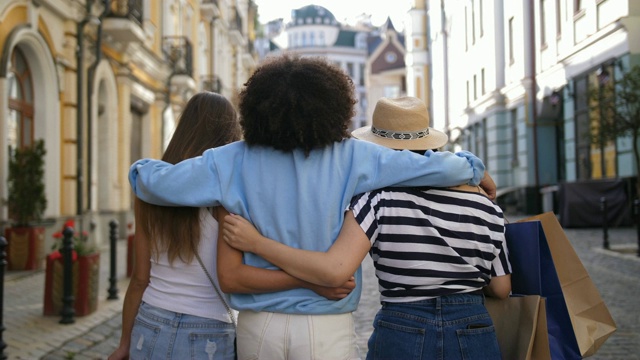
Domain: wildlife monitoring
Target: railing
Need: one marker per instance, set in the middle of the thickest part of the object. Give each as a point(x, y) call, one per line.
point(128, 9)
point(211, 83)
point(236, 23)
point(179, 51)
point(214, 2)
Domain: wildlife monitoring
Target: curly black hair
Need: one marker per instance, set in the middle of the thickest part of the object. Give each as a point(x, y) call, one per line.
point(292, 102)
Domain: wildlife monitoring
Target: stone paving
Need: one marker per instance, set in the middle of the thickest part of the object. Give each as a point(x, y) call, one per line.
point(29, 335)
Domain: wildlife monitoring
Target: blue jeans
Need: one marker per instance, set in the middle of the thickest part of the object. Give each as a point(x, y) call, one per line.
point(163, 334)
point(449, 327)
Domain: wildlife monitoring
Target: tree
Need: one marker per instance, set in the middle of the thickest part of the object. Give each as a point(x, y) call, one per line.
point(620, 110)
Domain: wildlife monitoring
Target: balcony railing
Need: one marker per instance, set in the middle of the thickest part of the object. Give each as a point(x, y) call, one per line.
point(209, 9)
point(128, 9)
point(214, 2)
point(211, 83)
point(179, 51)
point(236, 22)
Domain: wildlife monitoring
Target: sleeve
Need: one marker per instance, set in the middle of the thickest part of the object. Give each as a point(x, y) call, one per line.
point(364, 212)
point(192, 182)
point(501, 265)
point(405, 168)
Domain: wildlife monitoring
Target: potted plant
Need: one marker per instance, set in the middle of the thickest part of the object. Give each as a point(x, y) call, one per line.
point(26, 204)
point(85, 274)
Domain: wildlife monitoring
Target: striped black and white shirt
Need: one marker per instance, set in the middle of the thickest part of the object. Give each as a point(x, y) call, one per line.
point(428, 242)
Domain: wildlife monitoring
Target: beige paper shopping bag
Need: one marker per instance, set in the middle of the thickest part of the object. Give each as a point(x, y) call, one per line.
point(521, 327)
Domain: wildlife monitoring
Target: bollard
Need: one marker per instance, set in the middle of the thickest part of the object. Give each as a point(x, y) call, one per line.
point(605, 217)
point(3, 263)
point(68, 299)
point(113, 289)
point(636, 207)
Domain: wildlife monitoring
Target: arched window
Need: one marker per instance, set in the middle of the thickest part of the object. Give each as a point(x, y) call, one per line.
point(19, 85)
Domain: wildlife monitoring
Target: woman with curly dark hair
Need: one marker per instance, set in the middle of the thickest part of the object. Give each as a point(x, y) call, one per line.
point(293, 177)
point(285, 107)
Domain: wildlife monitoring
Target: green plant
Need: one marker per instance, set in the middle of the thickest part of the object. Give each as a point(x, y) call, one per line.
point(27, 199)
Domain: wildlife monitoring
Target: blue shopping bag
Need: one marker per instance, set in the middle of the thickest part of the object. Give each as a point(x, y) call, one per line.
point(534, 273)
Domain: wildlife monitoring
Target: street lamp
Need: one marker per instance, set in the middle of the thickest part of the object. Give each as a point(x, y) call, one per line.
point(92, 20)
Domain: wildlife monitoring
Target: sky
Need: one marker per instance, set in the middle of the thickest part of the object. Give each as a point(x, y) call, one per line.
point(342, 9)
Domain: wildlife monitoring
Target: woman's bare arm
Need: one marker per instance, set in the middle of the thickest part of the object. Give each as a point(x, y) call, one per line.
point(236, 277)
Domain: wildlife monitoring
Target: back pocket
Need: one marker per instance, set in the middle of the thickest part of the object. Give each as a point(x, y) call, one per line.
point(478, 342)
point(143, 340)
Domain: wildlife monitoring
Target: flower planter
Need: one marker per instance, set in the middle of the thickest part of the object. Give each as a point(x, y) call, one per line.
point(25, 249)
point(85, 283)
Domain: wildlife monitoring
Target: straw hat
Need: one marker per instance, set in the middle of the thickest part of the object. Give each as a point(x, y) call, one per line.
point(402, 123)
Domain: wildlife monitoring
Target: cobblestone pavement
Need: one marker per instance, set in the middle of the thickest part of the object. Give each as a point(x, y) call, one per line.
point(29, 335)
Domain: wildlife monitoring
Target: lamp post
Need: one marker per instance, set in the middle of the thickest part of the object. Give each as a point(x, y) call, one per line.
point(603, 78)
point(88, 19)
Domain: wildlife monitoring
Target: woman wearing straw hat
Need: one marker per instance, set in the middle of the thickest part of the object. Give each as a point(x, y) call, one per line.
point(435, 251)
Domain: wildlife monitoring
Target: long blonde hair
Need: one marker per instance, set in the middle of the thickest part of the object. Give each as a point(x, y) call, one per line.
point(207, 121)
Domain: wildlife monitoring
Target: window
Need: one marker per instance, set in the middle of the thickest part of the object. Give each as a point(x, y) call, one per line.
point(511, 51)
point(20, 90)
point(583, 157)
point(480, 18)
point(475, 87)
point(312, 38)
point(466, 28)
point(578, 6)
point(390, 57)
point(362, 75)
point(482, 82)
point(473, 22)
point(514, 137)
point(543, 24)
point(391, 91)
point(468, 94)
point(558, 19)
point(350, 69)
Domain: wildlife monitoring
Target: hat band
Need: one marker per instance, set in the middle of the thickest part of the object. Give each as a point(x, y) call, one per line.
point(400, 135)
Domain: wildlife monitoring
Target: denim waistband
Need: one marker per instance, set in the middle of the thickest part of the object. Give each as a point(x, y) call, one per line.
point(172, 318)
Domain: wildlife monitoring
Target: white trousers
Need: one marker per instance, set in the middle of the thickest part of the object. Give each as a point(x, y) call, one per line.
point(276, 336)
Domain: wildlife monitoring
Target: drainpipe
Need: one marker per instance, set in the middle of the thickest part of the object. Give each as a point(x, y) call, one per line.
point(445, 46)
point(91, 79)
point(534, 89)
point(80, 106)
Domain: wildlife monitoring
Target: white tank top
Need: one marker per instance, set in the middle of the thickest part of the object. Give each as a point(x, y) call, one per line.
point(185, 288)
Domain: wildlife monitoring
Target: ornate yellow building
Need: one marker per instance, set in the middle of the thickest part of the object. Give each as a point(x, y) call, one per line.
point(103, 83)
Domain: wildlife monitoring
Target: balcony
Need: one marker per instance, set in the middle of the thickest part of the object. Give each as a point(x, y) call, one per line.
point(124, 21)
point(235, 29)
point(209, 9)
point(249, 57)
point(211, 83)
point(179, 52)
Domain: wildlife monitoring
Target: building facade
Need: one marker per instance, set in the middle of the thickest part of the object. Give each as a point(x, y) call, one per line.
point(385, 70)
point(103, 83)
point(518, 79)
point(314, 31)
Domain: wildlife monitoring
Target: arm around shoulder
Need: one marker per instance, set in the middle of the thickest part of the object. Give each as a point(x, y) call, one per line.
point(192, 182)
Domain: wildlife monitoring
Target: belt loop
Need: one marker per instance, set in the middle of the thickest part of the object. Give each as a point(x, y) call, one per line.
point(439, 303)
